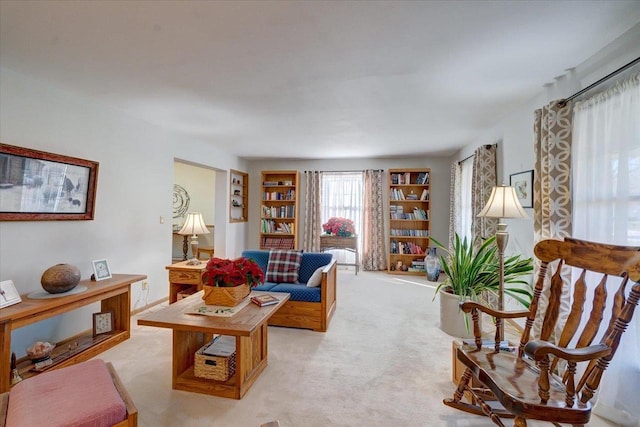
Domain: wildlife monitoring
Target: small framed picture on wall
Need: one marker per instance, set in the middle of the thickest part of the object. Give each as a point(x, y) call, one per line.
point(523, 184)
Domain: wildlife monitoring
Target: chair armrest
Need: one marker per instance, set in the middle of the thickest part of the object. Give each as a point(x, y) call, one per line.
point(327, 268)
point(538, 349)
point(467, 306)
point(328, 283)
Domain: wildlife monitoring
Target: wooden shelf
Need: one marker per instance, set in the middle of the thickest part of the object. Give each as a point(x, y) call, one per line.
point(409, 216)
point(63, 354)
point(238, 196)
point(113, 294)
point(279, 209)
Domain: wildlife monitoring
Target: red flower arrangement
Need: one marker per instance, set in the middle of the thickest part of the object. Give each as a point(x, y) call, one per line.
point(339, 226)
point(230, 273)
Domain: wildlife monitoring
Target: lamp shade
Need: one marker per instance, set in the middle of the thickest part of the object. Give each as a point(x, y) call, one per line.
point(503, 203)
point(194, 225)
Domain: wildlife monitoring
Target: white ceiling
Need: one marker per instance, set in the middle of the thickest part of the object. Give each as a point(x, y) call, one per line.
point(310, 79)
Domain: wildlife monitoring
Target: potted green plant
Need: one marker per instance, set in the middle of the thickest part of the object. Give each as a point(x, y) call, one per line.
point(474, 275)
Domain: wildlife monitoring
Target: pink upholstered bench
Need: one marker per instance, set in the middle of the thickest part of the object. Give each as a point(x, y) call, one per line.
point(88, 394)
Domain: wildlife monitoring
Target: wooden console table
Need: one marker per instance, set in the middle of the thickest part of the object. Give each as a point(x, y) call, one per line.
point(328, 242)
point(113, 294)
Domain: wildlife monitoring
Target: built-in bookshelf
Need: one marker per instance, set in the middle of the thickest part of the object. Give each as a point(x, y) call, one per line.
point(279, 210)
point(239, 196)
point(409, 215)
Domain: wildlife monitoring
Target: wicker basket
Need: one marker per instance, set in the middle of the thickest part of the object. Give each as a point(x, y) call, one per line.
point(229, 297)
point(214, 367)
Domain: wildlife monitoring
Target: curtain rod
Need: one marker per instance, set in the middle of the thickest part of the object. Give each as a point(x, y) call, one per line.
point(487, 146)
point(563, 102)
point(349, 171)
point(466, 158)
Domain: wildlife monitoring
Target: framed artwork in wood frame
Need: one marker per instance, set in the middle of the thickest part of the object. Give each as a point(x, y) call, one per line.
point(40, 186)
point(103, 322)
point(523, 184)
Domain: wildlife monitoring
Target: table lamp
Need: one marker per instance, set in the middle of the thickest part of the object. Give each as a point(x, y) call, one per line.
point(193, 226)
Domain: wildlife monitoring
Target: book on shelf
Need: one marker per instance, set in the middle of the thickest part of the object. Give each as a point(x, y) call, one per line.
point(266, 299)
point(397, 194)
point(277, 243)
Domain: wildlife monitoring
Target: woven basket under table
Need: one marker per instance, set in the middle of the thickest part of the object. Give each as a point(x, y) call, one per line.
point(213, 367)
point(229, 297)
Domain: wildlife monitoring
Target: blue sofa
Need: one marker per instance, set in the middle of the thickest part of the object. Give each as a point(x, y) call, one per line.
point(309, 308)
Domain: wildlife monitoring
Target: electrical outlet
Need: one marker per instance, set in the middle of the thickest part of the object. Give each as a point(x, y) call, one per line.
point(145, 286)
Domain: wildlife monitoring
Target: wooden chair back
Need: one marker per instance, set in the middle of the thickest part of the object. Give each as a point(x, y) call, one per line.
point(540, 381)
point(596, 263)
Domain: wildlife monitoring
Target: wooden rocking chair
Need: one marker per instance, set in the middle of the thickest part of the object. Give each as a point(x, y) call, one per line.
point(533, 382)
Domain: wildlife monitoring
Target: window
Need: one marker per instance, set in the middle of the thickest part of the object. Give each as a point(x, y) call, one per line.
point(606, 167)
point(342, 196)
point(606, 208)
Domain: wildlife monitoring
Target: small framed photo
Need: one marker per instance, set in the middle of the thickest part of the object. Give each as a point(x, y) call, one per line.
point(8, 294)
point(523, 184)
point(101, 269)
point(102, 322)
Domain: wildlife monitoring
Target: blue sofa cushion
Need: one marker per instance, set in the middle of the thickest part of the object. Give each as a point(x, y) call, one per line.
point(299, 292)
point(266, 286)
point(311, 261)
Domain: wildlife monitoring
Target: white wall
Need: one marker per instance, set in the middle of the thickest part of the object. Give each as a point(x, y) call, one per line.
point(514, 133)
point(440, 178)
point(134, 189)
point(200, 184)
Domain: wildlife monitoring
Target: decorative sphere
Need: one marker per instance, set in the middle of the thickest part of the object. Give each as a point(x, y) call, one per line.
point(60, 278)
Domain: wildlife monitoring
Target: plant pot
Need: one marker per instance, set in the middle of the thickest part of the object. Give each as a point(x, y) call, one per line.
point(452, 319)
point(229, 297)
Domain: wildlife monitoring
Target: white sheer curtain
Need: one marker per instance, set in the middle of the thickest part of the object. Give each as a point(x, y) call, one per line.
point(342, 196)
point(466, 209)
point(461, 206)
point(606, 208)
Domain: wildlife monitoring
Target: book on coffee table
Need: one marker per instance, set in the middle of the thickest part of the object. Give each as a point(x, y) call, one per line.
point(265, 299)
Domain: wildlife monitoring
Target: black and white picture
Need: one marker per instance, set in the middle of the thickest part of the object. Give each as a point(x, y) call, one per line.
point(35, 185)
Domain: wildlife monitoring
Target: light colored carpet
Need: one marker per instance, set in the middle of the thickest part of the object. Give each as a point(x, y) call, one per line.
point(383, 362)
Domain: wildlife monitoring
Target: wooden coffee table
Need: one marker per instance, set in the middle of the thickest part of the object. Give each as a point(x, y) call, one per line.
point(190, 332)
